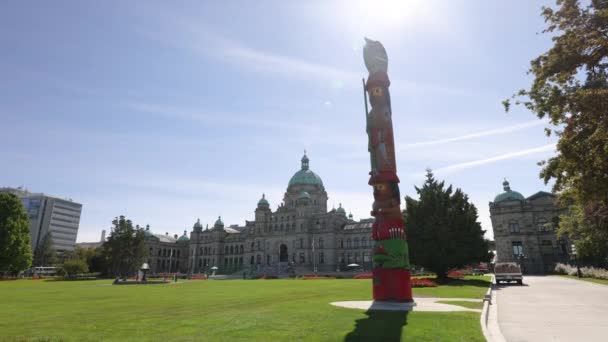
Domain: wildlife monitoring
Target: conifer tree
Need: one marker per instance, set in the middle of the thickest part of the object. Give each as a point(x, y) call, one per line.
point(442, 228)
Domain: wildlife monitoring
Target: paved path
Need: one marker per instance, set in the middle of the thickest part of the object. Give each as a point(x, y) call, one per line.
point(422, 304)
point(553, 308)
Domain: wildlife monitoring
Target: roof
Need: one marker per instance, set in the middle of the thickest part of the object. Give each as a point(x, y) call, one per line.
point(359, 225)
point(539, 195)
point(165, 238)
point(184, 237)
point(231, 230)
point(263, 200)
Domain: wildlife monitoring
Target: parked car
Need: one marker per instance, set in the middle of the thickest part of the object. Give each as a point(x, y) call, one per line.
point(507, 272)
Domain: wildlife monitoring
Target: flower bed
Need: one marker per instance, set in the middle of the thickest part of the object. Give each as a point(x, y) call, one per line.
point(312, 277)
point(266, 277)
point(198, 277)
point(423, 282)
point(364, 276)
point(455, 275)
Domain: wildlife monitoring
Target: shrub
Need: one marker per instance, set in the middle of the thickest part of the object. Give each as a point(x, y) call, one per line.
point(72, 267)
point(587, 272)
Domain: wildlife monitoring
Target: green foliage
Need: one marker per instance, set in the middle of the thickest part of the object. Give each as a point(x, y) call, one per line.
point(124, 251)
point(443, 232)
point(45, 254)
point(15, 250)
point(75, 266)
point(590, 235)
point(570, 88)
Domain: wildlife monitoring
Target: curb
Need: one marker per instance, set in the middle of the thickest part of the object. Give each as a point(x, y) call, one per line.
point(489, 317)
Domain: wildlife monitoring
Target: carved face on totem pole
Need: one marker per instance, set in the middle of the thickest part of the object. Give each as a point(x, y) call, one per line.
point(386, 199)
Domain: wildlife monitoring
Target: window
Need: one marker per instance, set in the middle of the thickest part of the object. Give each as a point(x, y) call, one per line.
point(541, 225)
point(356, 257)
point(514, 227)
point(321, 258)
point(258, 259)
point(178, 253)
point(546, 247)
point(348, 243)
point(366, 257)
point(226, 250)
point(231, 249)
point(242, 249)
point(258, 242)
point(301, 243)
point(356, 242)
point(341, 243)
point(293, 227)
point(267, 259)
point(252, 245)
point(348, 258)
point(320, 242)
point(518, 248)
point(302, 259)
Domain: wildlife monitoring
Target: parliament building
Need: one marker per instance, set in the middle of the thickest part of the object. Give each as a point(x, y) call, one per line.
point(300, 236)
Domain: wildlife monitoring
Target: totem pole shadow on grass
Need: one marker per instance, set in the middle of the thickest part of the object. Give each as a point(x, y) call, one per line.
point(378, 326)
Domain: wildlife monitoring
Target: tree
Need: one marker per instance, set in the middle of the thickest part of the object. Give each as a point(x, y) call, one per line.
point(45, 254)
point(75, 266)
point(570, 88)
point(15, 250)
point(442, 228)
point(124, 250)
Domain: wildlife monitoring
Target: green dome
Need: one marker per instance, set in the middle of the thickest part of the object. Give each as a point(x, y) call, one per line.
point(508, 195)
point(341, 210)
point(263, 201)
point(184, 237)
point(147, 232)
point(197, 225)
point(219, 223)
point(305, 176)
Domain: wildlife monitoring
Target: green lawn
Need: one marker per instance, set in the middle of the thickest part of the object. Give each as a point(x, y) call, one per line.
point(591, 280)
point(235, 310)
point(470, 305)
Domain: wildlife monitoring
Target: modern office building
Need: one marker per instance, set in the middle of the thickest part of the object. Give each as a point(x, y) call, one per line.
point(48, 214)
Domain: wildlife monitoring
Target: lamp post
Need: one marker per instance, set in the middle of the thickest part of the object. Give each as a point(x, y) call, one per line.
point(578, 269)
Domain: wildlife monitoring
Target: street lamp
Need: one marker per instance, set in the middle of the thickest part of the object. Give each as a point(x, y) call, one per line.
point(578, 269)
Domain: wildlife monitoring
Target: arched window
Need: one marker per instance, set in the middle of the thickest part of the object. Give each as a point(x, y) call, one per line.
point(258, 259)
point(242, 249)
point(356, 242)
point(281, 227)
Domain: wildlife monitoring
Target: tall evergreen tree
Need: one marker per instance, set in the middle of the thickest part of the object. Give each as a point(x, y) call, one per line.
point(124, 250)
point(15, 250)
point(442, 228)
point(45, 254)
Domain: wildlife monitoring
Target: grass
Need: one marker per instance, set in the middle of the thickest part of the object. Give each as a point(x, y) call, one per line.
point(591, 280)
point(470, 305)
point(235, 310)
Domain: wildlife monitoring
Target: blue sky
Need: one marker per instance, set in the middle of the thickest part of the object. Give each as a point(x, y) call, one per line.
point(171, 111)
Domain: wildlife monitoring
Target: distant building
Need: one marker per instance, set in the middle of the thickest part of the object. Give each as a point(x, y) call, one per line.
point(47, 214)
point(301, 235)
point(87, 245)
point(524, 230)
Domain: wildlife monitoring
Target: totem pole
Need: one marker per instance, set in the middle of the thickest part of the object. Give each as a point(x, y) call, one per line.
point(390, 255)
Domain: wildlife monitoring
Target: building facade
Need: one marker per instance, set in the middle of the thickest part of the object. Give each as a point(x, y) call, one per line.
point(524, 230)
point(47, 214)
point(300, 236)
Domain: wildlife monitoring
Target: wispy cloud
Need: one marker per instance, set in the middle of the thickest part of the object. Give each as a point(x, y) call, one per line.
point(480, 134)
point(506, 156)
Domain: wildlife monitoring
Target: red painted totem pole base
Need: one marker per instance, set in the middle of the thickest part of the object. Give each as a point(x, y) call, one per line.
point(392, 284)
